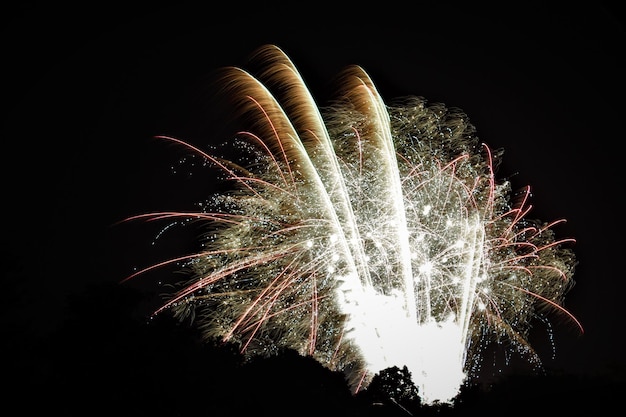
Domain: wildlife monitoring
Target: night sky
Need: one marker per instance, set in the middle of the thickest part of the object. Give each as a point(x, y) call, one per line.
point(86, 90)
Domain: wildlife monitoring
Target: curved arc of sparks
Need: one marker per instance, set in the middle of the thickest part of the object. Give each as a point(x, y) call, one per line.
point(262, 97)
point(293, 272)
point(514, 335)
point(360, 91)
point(213, 159)
point(472, 270)
point(492, 181)
point(164, 263)
point(232, 268)
point(161, 215)
point(302, 110)
point(181, 259)
point(278, 69)
point(548, 301)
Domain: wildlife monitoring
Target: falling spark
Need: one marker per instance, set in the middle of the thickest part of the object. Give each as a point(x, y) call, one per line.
point(365, 235)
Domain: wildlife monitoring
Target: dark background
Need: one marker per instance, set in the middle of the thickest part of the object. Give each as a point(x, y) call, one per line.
point(86, 88)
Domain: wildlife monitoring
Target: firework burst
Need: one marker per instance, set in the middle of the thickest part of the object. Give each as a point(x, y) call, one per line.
point(364, 235)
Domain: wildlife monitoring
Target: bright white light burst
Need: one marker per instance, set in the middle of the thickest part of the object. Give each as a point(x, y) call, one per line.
point(365, 235)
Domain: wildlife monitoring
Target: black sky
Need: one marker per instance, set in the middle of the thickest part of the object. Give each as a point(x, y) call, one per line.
point(86, 89)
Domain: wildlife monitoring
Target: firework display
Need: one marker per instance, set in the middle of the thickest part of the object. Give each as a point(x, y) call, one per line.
point(364, 234)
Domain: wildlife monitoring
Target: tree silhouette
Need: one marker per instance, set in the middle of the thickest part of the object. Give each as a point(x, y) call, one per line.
point(391, 392)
